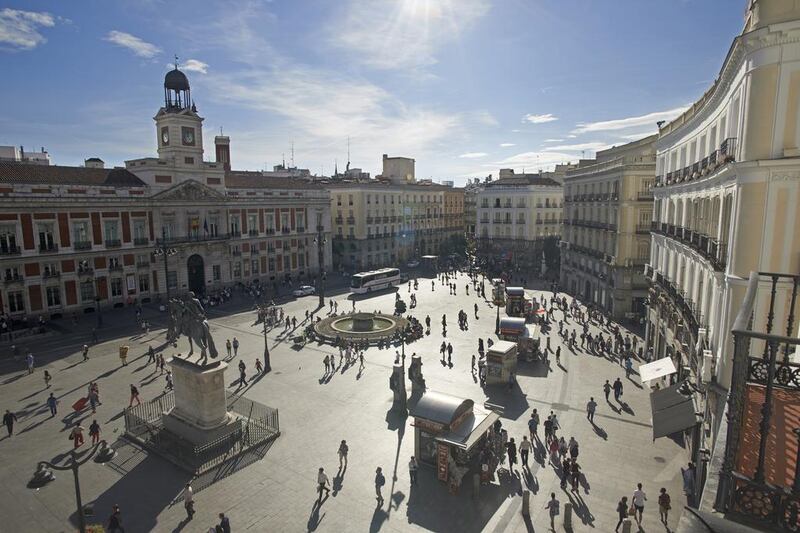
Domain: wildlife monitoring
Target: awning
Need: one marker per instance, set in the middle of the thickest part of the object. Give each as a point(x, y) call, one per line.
point(673, 411)
point(473, 427)
point(657, 369)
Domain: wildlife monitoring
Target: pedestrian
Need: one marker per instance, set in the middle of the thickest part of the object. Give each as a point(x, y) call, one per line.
point(242, 373)
point(29, 360)
point(412, 470)
point(664, 505)
point(628, 366)
point(622, 512)
point(511, 381)
point(688, 481)
point(511, 448)
point(8, 420)
point(322, 483)
point(575, 470)
point(94, 432)
point(134, 395)
point(554, 447)
point(47, 379)
point(259, 366)
point(115, 520)
point(473, 363)
point(553, 508)
point(188, 501)
point(170, 385)
point(639, 497)
point(558, 354)
point(224, 523)
point(123, 355)
point(607, 389)
point(77, 435)
point(572, 446)
point(52, 403)
point(380, 481)
point(617, 389)
point(563, 475)
point(228, 347)
point(533, 425)
point(85, 352)
point(591, 406)
point(235, 346)
point(524, 450)
point(151, 356)
point(343, 449)
point(548, 429)
point(326, 361)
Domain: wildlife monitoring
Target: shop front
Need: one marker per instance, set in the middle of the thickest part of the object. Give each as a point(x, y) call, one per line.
point(449, 434)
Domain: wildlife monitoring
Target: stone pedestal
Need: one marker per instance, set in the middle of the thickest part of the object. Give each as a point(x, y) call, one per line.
point(398, 386)
point(200, 414)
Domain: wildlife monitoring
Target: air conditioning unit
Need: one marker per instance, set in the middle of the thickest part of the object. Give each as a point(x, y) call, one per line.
point(708, 361)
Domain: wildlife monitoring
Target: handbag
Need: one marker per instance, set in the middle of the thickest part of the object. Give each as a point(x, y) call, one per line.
point(631, 511)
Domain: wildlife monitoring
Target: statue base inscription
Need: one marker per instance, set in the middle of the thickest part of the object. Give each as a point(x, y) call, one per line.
point(200, 414)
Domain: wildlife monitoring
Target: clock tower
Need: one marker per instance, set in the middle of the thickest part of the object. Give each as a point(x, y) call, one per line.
point(178, 126)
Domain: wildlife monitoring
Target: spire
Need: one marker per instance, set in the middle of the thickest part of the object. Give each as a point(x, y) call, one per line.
point(335, 167)
point(348, 152)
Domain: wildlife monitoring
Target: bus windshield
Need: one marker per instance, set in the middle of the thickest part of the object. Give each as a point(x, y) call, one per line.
point(357, 280)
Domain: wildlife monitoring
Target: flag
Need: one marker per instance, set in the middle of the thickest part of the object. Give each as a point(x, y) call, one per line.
point(205, 225)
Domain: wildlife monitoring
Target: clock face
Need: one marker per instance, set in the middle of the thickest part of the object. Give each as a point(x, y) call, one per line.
point(188, 136)
point(164, 136)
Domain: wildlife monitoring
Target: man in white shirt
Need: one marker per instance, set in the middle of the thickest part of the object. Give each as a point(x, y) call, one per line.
point(639, 497)
point(322, 481)
point(188, 501)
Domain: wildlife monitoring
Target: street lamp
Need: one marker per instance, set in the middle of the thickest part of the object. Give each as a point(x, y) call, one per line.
point(267, 366)
point(163, 251)
point(497, 322)
point(43, 475)
point(320, 241)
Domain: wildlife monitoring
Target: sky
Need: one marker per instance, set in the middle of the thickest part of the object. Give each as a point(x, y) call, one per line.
point(465, 87)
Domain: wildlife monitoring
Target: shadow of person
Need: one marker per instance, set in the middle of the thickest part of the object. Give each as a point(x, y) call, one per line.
point(314, 518)
point(600, 431)
point(627, 408)
point(378, 518)
point(614, 407)
point(338, 481)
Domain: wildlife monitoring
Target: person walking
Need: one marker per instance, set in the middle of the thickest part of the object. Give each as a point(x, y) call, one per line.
point(52, 403)
point(628, 366)
point(85, 352)
point(622, 512)
point(343, 449)
point(591, 407)
point(553, 507)
point(169, 385)
point(664, 505)
point(8, 420)
point(575, 471)
point(134, 396)
point(533, 425)
point(151, 355)
point(30, 361)
point(327, 363)
point(224, 523)
point(380, 481)
point(115, 521)
point(639, 497)
point(607, 389)
point(94, 432)
point(228, 347)
point(524, 450)
point(617, 389)
point(548, 429)
point(322, 483)
point(77, 435)
point(242, 373)
point(188, 501)
point(47, 379)
point(413, 466)
point(235, 346)
point(511, 448)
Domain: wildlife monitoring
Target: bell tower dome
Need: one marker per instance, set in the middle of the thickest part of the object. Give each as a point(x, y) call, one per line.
point(178, 126)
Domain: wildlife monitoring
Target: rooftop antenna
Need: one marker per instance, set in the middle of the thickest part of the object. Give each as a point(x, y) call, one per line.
point(176, 61)
point(348, 152)
point(335, 167)
point(292, 154)
point(283, 160)
point(220, 131)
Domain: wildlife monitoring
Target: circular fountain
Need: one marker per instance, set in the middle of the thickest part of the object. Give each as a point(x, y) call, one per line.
point(372, 327)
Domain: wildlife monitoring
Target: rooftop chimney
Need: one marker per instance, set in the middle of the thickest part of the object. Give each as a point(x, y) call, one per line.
point(222, 143)
point(94, 162)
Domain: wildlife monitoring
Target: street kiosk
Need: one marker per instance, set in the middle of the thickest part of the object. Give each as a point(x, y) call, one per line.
point(501, 362)
point(498, 291)
point(515, 301)
point(449, 434)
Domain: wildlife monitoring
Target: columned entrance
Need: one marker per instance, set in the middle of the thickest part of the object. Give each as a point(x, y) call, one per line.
point(196, 274)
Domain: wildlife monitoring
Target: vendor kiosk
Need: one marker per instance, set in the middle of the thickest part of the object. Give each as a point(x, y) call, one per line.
point(515, 301)
point(501, 362)
point(449, 434)
point(498, 291)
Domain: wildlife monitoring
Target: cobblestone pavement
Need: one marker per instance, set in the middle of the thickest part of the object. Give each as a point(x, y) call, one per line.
point(277, 493)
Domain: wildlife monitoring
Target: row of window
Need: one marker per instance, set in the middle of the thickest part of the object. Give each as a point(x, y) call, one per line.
point(389, 199)
point(522, 203)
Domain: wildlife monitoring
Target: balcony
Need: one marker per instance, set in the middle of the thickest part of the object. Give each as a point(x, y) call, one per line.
point(320, 228)
point(142, 264)
point(338, 220)
point(301, 229)
point(141, 241)
point(370, 220)
point(270, 231)
point(113, 243)
point(645, 196)
point(50, 274)
point(235, 234)
point(270, 249)
point(48, 248)
point(285, 231)
point(725, 154)
point(711, 249)
point(351, 220)
point(252, 232)
point(10, 250)
point(643, 228)
point(236, 253)
point(85, 271)
point(199, 237)
point(12, 279)
point(115, 268)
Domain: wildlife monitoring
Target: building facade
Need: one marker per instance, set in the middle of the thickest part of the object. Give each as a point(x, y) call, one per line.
point(608, 206)
point(518, 223)
point(726, 196)
point(76, 239)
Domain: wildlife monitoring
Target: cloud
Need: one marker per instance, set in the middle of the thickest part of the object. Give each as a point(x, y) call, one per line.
point(630, 122)
point(473, 155)
point(19, 30)
point(637, 136)
point(402, 34)
point(506, 145)
point(580, 147)
point(539, 119)
point(192, 65)
point(134, 44)
point(553, 140)
point(533, 161)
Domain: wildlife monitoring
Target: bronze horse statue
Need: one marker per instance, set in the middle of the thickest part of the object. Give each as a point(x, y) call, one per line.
point(194, 327)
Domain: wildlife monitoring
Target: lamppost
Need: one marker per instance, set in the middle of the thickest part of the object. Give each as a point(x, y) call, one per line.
point(163, 251)
point(320, 241)
point(267, 366)
point(42, 475)
point(97, 305)
point(497, 322)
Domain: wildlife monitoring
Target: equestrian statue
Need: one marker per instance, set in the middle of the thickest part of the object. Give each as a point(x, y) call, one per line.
point(188, 317)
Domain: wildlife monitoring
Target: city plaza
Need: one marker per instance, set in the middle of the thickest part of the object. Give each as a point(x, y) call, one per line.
point(275, 490)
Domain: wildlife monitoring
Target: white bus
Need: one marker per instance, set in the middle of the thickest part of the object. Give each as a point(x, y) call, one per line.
point(375, 280)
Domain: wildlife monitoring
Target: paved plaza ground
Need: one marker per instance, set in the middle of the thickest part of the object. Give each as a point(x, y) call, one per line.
point(277, 493)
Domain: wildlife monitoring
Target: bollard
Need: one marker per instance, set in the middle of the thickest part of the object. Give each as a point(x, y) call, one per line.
point(476, 485)
point(626, 525)
point(526, 503)
point(568, 516)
